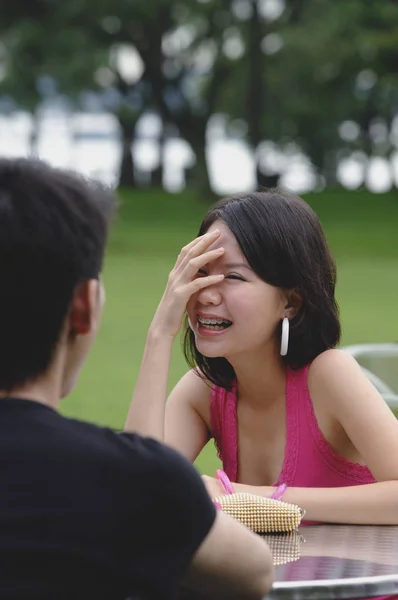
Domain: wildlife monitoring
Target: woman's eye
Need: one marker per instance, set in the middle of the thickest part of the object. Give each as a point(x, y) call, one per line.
point(235, 276)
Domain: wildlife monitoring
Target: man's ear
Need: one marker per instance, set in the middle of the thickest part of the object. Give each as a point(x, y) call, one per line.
point(294, 301)
point(82, 310)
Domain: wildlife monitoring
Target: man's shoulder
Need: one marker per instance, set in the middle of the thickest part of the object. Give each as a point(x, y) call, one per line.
point(152, 470)
point(142, 466)
point(101, 436)
point(135, 451)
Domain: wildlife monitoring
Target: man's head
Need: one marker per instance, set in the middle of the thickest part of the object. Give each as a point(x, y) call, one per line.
point(53, 231)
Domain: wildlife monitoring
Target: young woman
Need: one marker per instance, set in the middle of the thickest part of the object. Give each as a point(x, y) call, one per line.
point(282, 404)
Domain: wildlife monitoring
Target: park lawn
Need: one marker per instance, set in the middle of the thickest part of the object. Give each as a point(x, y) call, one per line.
point(148, 233)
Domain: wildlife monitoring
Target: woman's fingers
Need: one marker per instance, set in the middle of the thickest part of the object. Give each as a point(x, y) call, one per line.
point(194, 264)
point(183, 281)
point(202, 282)
point(189, 271)
point(196, 247)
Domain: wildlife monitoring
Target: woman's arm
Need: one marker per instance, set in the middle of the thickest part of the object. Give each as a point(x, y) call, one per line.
point(183, 422)
point(147, 410)
point(370, 504)
point(187, 420)
point(337, 379)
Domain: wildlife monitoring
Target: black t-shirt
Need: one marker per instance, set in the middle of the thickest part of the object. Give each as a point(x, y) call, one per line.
point(89, 513)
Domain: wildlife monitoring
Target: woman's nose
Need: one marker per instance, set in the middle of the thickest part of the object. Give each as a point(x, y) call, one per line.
point(209, 296)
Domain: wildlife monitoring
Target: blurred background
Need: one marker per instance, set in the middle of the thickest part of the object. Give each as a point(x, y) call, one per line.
point(176, 103)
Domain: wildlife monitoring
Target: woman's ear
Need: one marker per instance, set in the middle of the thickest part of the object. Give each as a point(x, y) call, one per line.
point(294, 301)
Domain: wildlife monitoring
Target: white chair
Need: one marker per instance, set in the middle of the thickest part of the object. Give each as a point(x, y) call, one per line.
point(380, 363)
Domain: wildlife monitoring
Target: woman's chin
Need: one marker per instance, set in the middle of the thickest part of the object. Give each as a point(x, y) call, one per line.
point(209, 351)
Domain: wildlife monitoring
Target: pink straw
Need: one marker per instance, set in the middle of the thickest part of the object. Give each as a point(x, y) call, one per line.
point(277, 495)
point(224, 479)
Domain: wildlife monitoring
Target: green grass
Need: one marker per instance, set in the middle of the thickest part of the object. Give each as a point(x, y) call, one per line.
point(147, 236)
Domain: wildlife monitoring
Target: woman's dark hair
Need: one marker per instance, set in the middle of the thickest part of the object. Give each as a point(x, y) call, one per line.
point(283, 242)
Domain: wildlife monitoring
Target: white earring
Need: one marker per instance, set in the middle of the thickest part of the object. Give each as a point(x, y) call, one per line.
point(285, 336)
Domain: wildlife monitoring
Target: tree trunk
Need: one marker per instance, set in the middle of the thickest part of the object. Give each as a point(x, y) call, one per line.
point(329, 168)
point(197, 176)
point(157, 174)
point(127, 176)
point(256, 94)
point(265, 180)
point(34, 135)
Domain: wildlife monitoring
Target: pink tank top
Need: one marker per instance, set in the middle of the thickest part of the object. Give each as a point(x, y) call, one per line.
point(309, 460)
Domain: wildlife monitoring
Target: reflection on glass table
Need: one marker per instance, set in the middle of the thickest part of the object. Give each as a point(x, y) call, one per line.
point(336, 561)
point(285, 547)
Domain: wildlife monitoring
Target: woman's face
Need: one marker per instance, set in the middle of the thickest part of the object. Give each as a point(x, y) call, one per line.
point(239, 314)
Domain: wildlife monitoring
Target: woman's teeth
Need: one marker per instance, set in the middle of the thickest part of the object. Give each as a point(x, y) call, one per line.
point(216, 324)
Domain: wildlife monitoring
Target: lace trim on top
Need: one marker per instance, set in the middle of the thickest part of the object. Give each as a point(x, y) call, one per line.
point(225, 430)
point(289, 466)
point(224, 425)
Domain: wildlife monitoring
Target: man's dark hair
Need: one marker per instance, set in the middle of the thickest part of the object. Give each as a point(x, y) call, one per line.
point(283, 242)
point(53, 232)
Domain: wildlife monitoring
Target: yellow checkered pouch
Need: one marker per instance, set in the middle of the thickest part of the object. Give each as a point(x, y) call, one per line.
point(262, 515)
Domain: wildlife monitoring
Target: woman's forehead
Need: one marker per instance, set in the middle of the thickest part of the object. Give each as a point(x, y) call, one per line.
point(226, 239)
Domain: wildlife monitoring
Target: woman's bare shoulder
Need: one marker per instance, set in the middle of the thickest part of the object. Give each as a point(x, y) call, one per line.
point(193, 390)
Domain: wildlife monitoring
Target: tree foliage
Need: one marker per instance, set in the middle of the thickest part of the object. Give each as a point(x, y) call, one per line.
point(291, 71)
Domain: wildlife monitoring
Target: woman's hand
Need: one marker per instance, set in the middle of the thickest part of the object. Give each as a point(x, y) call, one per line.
point(183, 282)
point(214, 486)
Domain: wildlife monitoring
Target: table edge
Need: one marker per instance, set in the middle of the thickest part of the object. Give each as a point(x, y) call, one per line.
point(324, 589)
